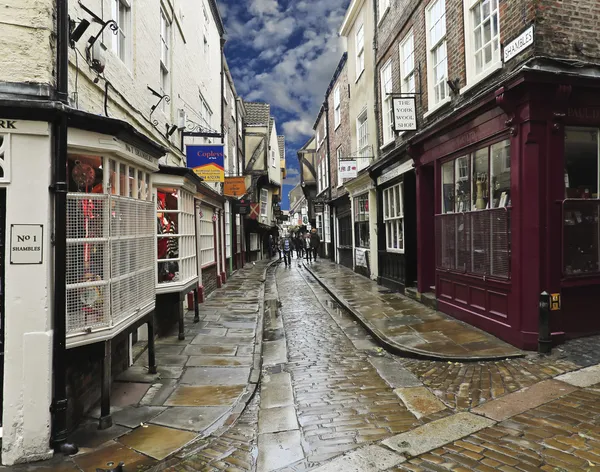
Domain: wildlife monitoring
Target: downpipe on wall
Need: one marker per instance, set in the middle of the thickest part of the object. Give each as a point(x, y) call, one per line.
point(59, 188)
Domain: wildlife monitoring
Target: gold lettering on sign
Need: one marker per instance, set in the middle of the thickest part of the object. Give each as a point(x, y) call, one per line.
point(468, 138)
point(584, 113)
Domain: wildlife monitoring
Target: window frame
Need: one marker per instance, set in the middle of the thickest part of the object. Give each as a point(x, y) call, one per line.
point(360, 50)
point(264, 202)
point(393, 216)
point(382, 7)
point(386, 88)
point(361, 220)
point(337, 107)
point(405, 74)
point(362, 163)
point(431, 48)
point(122, 51)
point(338, 155)
point(473, 77)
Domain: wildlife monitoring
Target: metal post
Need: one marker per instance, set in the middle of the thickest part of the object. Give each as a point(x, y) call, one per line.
point(196, 307)
point(105, 418)
point(544, 339)
point(151, 347)
point(181, 319)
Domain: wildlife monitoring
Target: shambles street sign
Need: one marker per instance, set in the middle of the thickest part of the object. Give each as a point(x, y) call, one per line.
point(207, 161)
point(405, 114)
point(519, 44)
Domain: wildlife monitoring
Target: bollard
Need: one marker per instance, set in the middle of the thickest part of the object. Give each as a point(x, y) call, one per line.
point(544, 340)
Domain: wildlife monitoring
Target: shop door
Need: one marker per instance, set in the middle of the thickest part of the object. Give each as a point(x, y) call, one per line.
point(2, 259)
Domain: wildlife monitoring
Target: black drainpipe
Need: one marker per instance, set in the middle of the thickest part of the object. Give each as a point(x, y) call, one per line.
point(59, 187)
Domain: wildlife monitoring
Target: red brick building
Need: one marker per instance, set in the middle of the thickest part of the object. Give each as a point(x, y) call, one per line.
point(506, 158)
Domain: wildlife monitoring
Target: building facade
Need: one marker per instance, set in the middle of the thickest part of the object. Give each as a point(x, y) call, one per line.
point(358, 29)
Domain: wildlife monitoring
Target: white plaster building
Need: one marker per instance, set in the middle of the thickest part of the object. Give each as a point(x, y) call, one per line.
point(358, 29)
point(95, 138)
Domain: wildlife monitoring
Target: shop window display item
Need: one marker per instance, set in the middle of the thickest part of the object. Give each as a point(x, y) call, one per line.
point(168, 244)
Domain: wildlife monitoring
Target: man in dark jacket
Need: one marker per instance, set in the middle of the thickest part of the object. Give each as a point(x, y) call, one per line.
point(315, 242)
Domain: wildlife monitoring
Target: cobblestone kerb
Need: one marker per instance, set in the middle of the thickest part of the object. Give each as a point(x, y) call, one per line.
point(393, 346)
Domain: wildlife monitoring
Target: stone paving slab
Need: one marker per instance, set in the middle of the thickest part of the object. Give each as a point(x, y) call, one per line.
point(587, 377)
point(437, 433)
point(523, 400)
point(405, 326)
point(420, 401)
point(366, 459)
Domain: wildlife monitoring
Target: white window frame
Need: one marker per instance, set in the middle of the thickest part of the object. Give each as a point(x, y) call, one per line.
point(360, 50)
point(383, 7)
point(387, 111)
point(324, 126)
point(407, 64)
point(362, 139)
point(121, 42)
point(319, 141)
point(327, 224)
point(473, 77)
point(207, 237)
point(264, 202)
point(337, 107)
point(165, 55)
point(227, 229)
point(326, 171)
point(393, 218)
point(338, 153)
point(273, 158)
point(431, 48)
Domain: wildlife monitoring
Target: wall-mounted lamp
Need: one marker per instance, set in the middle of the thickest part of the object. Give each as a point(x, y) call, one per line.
point(453, 84)
point(171, 130)
point(76, 32)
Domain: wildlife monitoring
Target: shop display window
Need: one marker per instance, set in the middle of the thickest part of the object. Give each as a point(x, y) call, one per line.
point(393, 211)
point(110, 244)
point(581, 208)
point(207, 236)
point(361, 221)
point(473, 231)
point(176, 239)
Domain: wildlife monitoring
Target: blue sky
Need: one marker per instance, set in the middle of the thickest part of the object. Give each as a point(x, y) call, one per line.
point(284, 52)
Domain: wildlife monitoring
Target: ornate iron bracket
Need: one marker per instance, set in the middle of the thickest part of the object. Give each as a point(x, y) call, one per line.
point(508, 106)
point(161, 97)
point(562, 94)
point(114, 27)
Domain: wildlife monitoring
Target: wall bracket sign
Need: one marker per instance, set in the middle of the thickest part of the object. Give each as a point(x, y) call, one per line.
point(26, 244)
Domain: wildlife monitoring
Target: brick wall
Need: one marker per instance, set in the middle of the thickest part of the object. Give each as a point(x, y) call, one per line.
point(321, 148)
point(407, 15)
point(209, 279)
point(569, 29)
point(339, 136)
point(84, 375)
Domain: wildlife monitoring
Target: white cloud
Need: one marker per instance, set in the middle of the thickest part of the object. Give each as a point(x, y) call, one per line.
point(293, 177)
point(295, 130)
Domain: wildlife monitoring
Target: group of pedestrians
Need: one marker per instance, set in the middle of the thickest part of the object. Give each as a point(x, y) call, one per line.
point(304, 244)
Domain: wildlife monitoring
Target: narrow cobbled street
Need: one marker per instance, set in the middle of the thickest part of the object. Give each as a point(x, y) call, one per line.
point(331, 399)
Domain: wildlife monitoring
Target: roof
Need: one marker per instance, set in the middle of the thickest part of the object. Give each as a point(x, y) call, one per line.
point(182, 172)
point(281, 143)
point(257, 114)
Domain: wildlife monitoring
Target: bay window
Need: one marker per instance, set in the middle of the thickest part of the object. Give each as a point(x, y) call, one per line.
point(386, 103)
point(473, 229)
point(393, 217)
point(437, 58)
point(111, 228)
point(361, 221)
point(206, 237)
point(482, 38)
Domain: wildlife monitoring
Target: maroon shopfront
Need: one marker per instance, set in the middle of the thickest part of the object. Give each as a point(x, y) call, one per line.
point(507, 204)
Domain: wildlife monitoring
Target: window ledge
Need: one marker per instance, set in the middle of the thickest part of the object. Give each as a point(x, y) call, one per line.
point(360, 75)
point(395, 251)
point(496, 67)
point(383, 15)
point(444, 102)
point(387, 144)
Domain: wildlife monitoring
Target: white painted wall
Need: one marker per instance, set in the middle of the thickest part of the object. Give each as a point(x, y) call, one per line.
point(192, 72)
point(28, 289)
point(274, 166)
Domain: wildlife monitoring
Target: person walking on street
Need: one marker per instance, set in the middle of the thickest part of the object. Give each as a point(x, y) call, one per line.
point(270, 246)
point(299, 243)
point(315, 242)
point(307, 248)
point(287, 250)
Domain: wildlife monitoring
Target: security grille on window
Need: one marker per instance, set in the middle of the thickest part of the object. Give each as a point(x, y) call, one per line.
point(360, 50)
point(473, 231)
point(361, 221)
point(437, 60)
point(111, 227)
point(207, 237)
point(386, 102)
point(227, 229)
point(393, 217)
point(121, 13)
point(337, 107)
point(407, 64)
point(483, 47)
point(176, 240)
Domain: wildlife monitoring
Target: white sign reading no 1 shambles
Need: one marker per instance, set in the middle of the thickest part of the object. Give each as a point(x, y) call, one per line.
point(26, 244)
point(405, 114)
